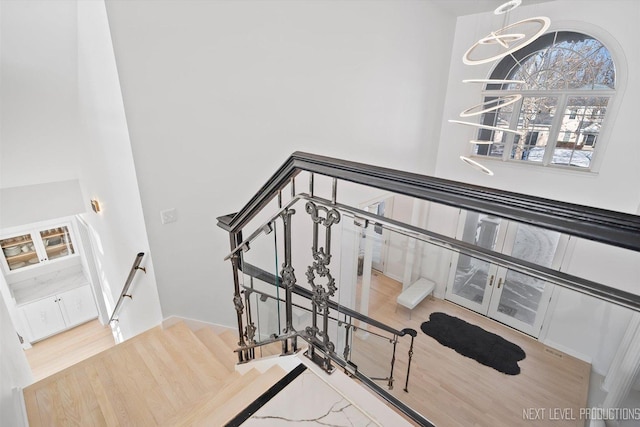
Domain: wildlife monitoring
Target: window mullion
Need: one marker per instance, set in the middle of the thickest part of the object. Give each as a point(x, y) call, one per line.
point(561, 107)
point(513, 124)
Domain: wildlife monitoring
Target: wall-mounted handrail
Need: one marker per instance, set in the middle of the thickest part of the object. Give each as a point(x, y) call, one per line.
point(134, 268)
point(610, 227)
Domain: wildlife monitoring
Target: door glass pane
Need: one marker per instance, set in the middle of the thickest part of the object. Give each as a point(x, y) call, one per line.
point(57, 242)
point(535, 245)
point(471, 278)
point(522, 293)
point(19, 252)
point(471, 273)
point(521, 296)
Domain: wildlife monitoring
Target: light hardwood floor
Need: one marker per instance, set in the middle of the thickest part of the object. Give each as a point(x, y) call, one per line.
point(162, 377)
point(452, 390)
point(68, 348)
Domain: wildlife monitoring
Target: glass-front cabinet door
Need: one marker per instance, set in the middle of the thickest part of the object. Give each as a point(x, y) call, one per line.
point(19, 251)
point(57, 242)
point(27, 249)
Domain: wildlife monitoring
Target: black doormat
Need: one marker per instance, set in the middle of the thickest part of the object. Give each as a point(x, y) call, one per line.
point(472, 341)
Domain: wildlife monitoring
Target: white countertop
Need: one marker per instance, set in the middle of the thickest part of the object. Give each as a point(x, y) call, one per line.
point(49, 284)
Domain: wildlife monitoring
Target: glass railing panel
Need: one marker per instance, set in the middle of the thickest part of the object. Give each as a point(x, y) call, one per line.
point(266, 314)
point(567, 333)
point(372, 351)
point(260, 270)
point(491, 271)
point(615, 267)
point(363, 197)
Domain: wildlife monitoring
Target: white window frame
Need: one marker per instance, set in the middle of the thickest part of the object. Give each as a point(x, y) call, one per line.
point(620, 65)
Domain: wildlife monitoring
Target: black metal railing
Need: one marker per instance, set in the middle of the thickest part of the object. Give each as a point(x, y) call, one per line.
point(611, 228)
point(127, 284)
point(348, 313)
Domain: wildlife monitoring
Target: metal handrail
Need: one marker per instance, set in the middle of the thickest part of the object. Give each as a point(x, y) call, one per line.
point(569, 281)
point(344, 322)
point(610, 227)
point(348, 325)
point(415, 416)
point(617, 229)
point(135, 267)
point(271, 279)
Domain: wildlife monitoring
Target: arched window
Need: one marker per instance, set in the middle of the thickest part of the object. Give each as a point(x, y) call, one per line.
point(566, 80)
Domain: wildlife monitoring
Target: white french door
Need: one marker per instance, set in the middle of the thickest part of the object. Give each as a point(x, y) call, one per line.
point(471, 280)
point(516, 299)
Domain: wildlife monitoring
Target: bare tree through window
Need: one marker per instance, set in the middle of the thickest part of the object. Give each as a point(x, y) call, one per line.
point(569, 80)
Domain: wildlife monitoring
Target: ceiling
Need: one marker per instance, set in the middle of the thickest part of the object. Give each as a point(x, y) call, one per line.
point(470, 7)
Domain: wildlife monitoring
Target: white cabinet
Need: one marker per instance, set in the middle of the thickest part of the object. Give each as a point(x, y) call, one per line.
point(77, 306)
point(54, 314)
point(44, 318)
point(29, 248)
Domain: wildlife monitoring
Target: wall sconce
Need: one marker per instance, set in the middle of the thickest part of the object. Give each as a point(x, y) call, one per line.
point(95, 205)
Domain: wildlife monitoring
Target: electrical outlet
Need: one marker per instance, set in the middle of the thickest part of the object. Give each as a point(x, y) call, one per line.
point(169, 215)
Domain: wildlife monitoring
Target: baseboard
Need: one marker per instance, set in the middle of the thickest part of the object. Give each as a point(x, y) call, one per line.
point(195, 325)
point(567, 350)
point(20, 406)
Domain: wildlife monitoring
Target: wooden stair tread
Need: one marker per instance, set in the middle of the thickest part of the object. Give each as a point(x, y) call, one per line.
point(230, 338)
point(160, 377)
point(196, 353)
point(218, 347)
point(210, 401)
point(225, 406)
point(140, 337)
point(272, 349)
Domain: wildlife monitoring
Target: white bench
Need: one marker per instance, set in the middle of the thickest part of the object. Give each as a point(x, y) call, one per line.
point(414, 294)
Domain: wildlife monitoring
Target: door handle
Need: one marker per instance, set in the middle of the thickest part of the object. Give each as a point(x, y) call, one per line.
point(499, 282)
point(491, 280)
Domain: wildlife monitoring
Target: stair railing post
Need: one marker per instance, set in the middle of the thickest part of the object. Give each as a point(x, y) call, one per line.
point(321, 293)
point(288, 281)
point(406, 384)
point(250, 330)
point(393, 361)
point(236, 238)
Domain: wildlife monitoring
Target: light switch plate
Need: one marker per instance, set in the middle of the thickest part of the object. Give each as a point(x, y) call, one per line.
point(169, 215)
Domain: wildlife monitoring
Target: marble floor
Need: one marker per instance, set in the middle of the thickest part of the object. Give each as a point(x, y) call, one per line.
point(314, 398)
point(292, 405)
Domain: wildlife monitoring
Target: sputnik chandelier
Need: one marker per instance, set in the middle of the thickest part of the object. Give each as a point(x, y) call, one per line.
point(494, 46)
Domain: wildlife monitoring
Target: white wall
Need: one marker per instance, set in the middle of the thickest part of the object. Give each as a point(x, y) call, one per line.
point(580, 325)
point(613, 187)
point(14, 370)
point(219, 93)
point(585, 326)
point(38, 92)
point(49, 169)
point(39, 202)
point(108, 174)
point(38, 110)
point(435, 261)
